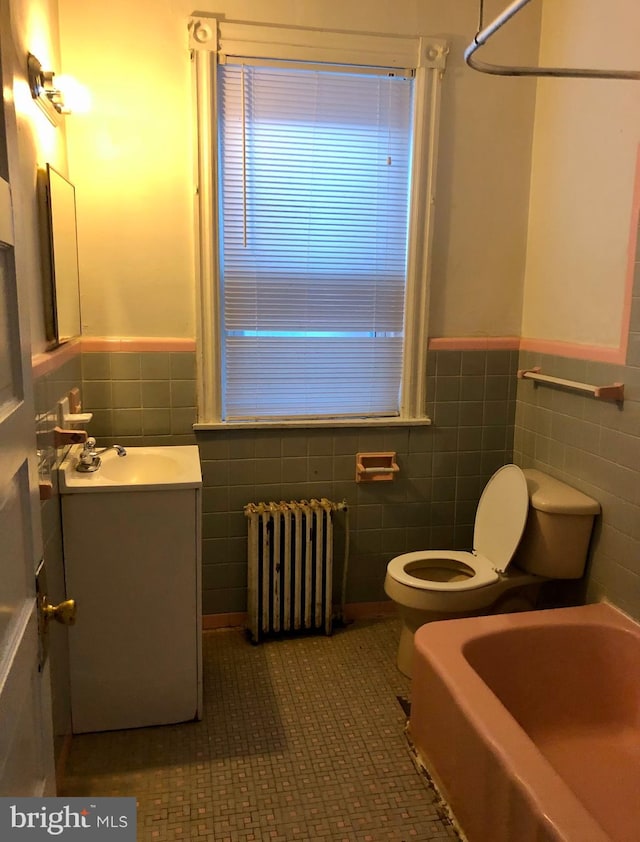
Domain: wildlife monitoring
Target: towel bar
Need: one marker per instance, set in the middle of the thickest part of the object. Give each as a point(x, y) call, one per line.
point(614, 392)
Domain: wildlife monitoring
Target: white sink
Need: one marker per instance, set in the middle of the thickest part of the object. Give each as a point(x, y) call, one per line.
point(142, 468)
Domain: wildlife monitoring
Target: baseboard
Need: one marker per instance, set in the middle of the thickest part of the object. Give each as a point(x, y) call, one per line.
point(352, 611)
point(224, 621)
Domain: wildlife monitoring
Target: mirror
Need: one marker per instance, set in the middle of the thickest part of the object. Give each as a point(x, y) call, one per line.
point(59, 257)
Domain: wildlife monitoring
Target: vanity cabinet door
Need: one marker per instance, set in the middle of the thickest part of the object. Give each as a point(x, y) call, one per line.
point(131, 563)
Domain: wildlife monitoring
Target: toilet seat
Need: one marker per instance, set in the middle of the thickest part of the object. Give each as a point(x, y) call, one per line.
point(499, 523)
point(484, 573)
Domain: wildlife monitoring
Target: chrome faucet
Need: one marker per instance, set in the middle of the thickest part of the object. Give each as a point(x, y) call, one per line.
point(90, 456)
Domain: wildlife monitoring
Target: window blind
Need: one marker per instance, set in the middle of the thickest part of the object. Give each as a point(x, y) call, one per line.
point(314, 193)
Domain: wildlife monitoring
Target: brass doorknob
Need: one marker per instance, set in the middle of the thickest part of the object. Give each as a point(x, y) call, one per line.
point(64, 613)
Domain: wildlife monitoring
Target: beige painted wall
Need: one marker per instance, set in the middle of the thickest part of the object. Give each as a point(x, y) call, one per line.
point(130, 158)
point(35, 30)
point(585, 146)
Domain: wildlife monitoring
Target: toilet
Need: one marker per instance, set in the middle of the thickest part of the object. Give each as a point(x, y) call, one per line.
point(529, 527)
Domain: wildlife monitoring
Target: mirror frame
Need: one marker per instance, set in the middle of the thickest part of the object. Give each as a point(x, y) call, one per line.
point(59, 238)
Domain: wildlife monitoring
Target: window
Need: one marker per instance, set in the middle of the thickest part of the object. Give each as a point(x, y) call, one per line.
point(319, 260)
point(314, 206)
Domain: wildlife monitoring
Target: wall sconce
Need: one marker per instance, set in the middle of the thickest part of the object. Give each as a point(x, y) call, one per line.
point(46, 95)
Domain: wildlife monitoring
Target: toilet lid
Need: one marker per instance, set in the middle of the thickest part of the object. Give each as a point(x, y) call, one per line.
point(501, 516)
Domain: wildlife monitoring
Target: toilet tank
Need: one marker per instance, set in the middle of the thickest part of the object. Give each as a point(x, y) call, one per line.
point(559, 523)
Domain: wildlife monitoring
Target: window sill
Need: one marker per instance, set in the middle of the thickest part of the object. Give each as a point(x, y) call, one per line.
point(424, 421)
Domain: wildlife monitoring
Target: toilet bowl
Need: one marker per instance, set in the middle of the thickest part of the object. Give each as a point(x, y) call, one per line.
point(530, 518)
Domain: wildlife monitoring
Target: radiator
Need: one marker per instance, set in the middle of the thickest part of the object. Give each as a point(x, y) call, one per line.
point(290, 572)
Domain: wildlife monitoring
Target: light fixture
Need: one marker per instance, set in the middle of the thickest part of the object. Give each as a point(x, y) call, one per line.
point(44, 92)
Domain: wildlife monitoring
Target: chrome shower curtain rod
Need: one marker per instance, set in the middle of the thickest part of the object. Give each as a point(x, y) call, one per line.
point(483, 36)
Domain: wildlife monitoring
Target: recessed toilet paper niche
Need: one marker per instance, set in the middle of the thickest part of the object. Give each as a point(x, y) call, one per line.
point(376, 467)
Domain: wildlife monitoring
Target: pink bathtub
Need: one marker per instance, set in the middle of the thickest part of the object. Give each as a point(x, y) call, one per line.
point(530, 723)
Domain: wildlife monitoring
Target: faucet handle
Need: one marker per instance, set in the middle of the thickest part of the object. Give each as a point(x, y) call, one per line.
point(88, 453)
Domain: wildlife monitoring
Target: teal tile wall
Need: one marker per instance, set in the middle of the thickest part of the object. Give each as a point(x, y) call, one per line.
point(149, 399)
point(473, 399)
point(431, 503)
point(594, 446)
point(140, 398)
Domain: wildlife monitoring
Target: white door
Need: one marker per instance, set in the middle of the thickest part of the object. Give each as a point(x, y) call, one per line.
point(26, 746)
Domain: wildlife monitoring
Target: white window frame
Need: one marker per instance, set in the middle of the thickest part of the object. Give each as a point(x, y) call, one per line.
point(213, 40)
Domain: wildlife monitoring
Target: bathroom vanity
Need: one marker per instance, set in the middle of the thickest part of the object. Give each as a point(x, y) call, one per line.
point(132, 543)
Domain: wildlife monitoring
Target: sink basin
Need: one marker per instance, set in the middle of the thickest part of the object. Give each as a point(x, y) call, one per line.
point(143, 468)
point(138, 467)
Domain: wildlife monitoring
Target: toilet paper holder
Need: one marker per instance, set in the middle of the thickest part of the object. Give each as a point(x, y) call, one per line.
point(376, 467)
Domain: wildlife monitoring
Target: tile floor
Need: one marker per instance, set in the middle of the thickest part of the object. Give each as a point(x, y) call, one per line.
point(301, 739)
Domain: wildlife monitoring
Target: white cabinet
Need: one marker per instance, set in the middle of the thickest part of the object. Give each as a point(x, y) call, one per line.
point(132, 560)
